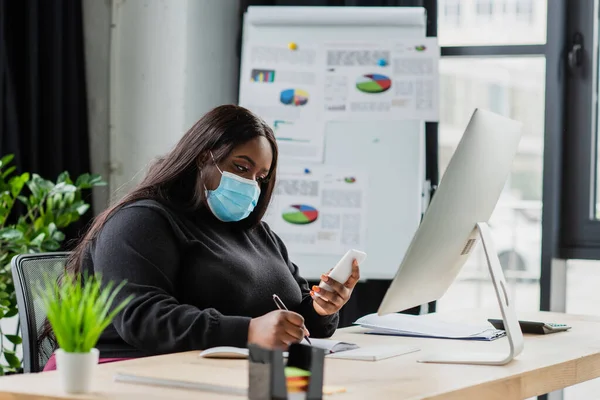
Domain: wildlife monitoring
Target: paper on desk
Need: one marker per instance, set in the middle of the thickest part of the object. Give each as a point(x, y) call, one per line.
point(375, 353)
point(418, 326)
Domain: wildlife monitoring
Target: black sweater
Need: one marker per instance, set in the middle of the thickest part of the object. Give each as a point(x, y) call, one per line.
point(196, 281)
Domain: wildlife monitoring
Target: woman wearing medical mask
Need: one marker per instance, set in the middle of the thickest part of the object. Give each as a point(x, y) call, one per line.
point(201, 265)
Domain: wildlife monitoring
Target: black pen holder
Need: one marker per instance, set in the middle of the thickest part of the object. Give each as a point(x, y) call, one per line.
point(267, 380)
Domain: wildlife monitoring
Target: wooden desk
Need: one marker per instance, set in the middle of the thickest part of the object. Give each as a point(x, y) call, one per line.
point(548, 363)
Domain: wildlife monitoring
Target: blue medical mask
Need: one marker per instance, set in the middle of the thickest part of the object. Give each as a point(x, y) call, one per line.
point(234, 198)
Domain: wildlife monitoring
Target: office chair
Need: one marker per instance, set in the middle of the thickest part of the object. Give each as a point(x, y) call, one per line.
point(28, 270)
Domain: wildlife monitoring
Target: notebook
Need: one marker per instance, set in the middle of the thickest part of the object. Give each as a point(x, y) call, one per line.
point(426, 327)
point(225, 352)
point(330, 347)
point(375, 353)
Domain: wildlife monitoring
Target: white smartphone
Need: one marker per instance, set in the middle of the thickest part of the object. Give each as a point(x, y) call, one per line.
point(343, 269)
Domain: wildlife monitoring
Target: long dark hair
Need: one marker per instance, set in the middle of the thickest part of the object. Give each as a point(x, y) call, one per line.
point(176, 179)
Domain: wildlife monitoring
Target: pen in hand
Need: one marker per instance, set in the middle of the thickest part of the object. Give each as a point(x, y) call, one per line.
point(282, 306)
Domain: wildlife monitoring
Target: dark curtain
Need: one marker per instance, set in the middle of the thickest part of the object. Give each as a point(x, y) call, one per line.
point(43, 105)
point(368, 295)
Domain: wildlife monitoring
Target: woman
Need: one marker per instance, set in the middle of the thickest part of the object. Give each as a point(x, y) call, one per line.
point(201, 265)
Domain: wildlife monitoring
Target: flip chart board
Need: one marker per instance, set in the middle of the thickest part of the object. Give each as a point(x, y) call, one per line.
point(347, 91)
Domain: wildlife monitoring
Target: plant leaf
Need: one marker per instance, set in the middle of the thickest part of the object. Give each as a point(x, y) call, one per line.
point(58, 236)
point(82, 209)
point(8, 171)
point(11, 313)
point(64, 187)
point(7, 159)
point(50, 245)
point(96, 180)
point(16, 183)
point(12, 359)
point(10, 234)
point(64, 177)
point(38, 224)
point(63, 220)
point(14, 339)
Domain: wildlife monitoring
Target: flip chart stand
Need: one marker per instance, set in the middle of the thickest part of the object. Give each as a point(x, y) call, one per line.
point(509, 316)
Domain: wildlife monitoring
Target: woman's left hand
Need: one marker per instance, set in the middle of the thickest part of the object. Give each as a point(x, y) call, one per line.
point(328, 302)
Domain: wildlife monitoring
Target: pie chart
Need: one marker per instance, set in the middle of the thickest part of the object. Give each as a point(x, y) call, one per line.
point(300, 214)
point(294, 97)
point(373, 83)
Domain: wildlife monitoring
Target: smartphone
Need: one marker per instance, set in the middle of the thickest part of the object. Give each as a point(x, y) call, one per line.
point(343, 269)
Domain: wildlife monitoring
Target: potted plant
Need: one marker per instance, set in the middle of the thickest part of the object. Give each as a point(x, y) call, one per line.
point(78, 311)
point(34, 212)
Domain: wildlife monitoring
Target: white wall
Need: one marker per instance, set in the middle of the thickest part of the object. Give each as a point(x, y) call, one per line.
point(96, 32)
point(212, 64)
point(170, 62)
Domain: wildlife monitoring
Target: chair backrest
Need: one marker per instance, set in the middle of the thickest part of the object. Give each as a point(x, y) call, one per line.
point(28, 270)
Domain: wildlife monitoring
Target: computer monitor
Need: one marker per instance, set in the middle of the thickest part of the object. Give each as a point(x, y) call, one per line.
point(452, 224)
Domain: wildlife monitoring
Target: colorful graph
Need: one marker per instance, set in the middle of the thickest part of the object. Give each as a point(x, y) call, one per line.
point(262, 75)
point(350, 179)
point(300, 214)
point(295, 97)
point(373, 83)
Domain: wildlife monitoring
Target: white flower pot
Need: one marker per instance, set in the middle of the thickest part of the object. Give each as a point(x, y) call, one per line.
point(76, 370)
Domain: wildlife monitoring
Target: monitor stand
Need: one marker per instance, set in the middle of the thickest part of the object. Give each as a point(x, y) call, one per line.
point(509, 316)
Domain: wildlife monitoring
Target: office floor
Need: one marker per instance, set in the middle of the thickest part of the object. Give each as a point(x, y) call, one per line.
point(583, 297)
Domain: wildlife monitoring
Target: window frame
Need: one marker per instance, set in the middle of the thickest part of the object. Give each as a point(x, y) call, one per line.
point(580, 238)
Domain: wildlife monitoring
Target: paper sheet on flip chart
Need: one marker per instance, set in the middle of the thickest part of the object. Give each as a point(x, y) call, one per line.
point(299, 141)
point(373, 80)
point(319, 209)
point(279, 83)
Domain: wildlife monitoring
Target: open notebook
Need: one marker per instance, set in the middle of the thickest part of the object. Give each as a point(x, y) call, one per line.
point(330, 347)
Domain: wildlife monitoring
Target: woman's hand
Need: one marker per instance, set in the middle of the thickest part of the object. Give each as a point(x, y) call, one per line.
point(327, 302)
point(277, 329)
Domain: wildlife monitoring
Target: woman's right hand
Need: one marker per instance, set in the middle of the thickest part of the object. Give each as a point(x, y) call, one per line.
point(276, 330)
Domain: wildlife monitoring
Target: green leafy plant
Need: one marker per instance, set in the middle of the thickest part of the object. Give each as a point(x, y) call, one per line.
point(79, 310)
point(33, 214)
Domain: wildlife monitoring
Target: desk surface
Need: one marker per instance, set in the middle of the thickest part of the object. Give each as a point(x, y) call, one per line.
point(548, 363)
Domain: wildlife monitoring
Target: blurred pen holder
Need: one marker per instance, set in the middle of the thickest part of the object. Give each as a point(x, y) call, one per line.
point(267, 380)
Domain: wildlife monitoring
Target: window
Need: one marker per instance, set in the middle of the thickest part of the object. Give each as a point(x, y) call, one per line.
point(527, 106)
point(499, 85)
point(484, 7)
point(451, 12)
point(580, 184)
point(558, 105)
point(497, 98)
point(524, 10)
point(447, 91)
point(491, 22)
